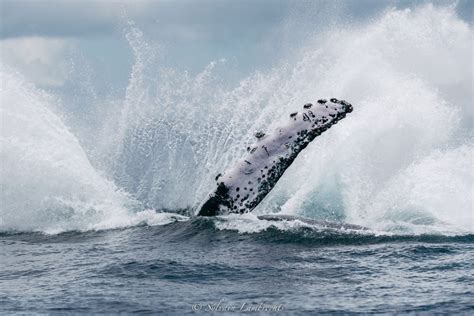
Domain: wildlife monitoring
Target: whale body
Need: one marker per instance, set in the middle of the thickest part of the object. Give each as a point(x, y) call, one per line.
point(241, 188)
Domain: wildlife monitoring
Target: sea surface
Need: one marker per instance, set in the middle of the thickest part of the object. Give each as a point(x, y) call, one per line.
point(191, 265)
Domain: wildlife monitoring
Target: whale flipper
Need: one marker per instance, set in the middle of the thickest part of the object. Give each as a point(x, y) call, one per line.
point(242, 188)
point(310, 221)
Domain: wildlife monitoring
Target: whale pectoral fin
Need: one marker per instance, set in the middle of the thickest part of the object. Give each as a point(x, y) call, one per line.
point(321, 223)
point(211, 207)
point(243, 187)
point(219, 201)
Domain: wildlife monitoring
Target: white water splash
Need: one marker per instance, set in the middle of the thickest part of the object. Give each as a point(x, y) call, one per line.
point(46, 180)
point(406, 74)
point(401, 162)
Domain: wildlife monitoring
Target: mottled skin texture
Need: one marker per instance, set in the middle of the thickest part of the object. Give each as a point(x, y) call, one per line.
point(242, 188)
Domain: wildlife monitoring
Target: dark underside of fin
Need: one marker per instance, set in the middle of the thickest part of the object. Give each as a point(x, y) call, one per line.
point(213, 204)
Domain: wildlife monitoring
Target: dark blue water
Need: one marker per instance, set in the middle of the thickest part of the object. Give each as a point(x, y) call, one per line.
point(192, 265)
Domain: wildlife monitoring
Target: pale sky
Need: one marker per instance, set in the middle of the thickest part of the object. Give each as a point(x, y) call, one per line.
point(47, 40)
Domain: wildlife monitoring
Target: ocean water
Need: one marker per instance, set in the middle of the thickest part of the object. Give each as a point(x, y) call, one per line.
point(172, 268)
point(98, 217)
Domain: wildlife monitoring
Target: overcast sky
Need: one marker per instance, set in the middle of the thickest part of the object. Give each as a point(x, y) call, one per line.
point(43, 38)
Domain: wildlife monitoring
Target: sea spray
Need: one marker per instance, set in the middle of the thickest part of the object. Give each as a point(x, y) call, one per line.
point(405, 72)
point(46, 180)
